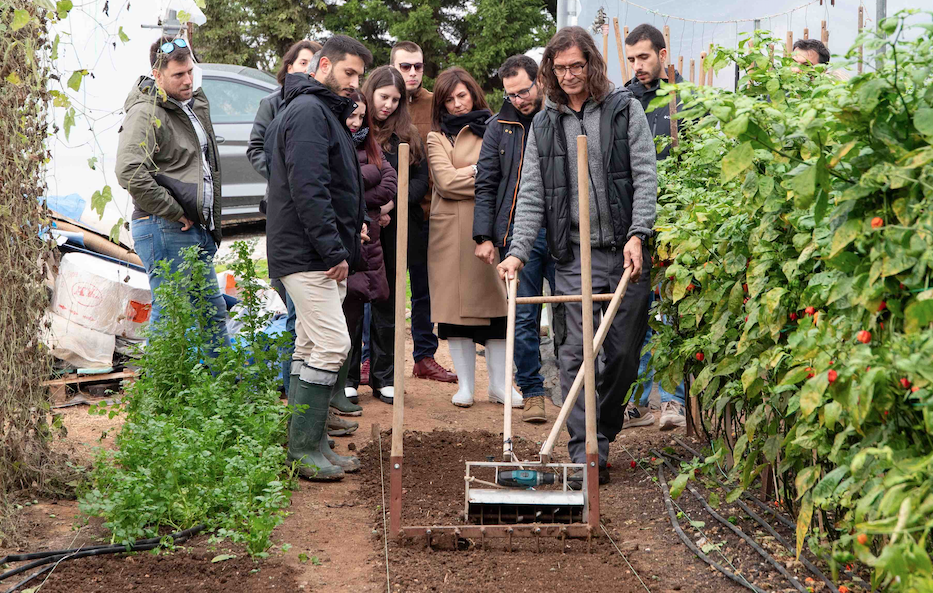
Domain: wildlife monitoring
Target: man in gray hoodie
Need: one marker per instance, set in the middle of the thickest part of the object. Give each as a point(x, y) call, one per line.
point(623, 196)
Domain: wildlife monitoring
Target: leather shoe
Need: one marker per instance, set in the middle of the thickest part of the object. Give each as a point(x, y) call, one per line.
point(364, 372)
point(428, 368)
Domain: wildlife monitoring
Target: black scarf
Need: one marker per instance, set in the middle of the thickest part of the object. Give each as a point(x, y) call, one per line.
point(452, 124)
point(359, 136)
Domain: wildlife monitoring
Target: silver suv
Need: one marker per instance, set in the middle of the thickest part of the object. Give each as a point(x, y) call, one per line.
point(234, 93)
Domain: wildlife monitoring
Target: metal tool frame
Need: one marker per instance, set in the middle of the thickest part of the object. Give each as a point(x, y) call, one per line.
point(586, 379)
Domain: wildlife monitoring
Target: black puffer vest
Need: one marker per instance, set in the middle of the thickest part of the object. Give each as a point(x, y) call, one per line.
point(556, 169)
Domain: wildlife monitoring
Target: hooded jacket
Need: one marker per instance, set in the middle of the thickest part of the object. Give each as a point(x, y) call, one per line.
point(498, 171)
point(659, 120)
point(316, 209)
point(159, 158)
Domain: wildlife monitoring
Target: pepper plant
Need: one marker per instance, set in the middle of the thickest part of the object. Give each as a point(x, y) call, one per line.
point(794, 257)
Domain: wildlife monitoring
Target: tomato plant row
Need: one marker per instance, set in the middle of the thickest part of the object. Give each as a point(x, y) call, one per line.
point(795, 250)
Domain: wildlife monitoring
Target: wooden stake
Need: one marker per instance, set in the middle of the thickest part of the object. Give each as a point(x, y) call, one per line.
point(512, 290)
point(398, 403)
point(606, 42)
point(680, 65)
point(861, 24)
point(629, 73)
point(702, 69)
point(667, 44)
point(789, 44)
point(673, 108)
point(589, 356)
point(806, 33)
point(693, 71)
point(623, 63)
point(709, 73)
point(824, 33)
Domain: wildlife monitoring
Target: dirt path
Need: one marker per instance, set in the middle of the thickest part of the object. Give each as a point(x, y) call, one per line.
point(335, 530)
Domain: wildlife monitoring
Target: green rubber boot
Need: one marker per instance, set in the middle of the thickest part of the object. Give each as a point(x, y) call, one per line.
point(295, 370)
point(348, 463)
point(339, 402)
point(307, 433)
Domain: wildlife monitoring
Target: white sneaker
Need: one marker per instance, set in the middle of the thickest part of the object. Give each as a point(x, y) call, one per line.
point(386, 394)
point(463, 353)
point(351, 392)
point(638, 416)
point(672, 415)
point(495, 365)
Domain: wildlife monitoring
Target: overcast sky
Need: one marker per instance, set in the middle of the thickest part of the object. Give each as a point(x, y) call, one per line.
point(92, 35)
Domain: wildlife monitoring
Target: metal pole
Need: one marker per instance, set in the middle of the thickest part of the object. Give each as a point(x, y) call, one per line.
point(398, 403)
point(881, 13)
point(561, 14)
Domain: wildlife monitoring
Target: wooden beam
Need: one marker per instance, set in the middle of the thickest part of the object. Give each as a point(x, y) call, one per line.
point(673, 108)
point(606, 42)
point(680, 65)
point(806, 33)
point(824, 33)
point(667, 44)
point(693, 71)
point(709, 73)
point(789, 44)
point(861, 24)
point(702, 69)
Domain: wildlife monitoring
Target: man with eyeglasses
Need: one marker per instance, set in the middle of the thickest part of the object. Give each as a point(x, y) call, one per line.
point(167, 160)
point(407, 58)
point(623, 185)
point(497, 175)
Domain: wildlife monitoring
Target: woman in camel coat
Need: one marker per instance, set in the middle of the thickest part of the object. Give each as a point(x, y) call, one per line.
point(468, 301)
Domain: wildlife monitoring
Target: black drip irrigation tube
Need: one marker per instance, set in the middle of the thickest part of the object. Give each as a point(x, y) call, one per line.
point(795, 583)
point(57, 556)
point(781, 519)
point(760, 520)
point(689, 543)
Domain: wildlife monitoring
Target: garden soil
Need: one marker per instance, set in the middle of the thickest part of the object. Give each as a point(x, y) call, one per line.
point(334, 531)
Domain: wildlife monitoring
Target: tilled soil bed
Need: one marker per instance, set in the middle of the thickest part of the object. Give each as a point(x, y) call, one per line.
point(182, 570)
point(632, 511)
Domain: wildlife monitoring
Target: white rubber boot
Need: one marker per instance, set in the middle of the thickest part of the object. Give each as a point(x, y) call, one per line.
point(463, 353)
point(495, 365)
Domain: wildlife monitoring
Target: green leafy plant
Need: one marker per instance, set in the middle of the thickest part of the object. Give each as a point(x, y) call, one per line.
point(203, 431)
point(795, 248)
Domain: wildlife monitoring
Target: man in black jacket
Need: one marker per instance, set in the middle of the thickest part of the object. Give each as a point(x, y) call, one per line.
point(298, 58)
point(497, 175)
point(315, 221)
point(647, 53)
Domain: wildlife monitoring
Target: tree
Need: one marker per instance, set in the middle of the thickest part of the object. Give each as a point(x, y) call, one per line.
point(254, 33)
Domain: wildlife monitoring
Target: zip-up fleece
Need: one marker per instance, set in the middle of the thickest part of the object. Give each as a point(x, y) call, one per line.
point(159, 158)
point(497, 174)
point(639, 212)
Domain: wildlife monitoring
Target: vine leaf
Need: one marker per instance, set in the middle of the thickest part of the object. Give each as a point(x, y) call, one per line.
point(21, 18)
point(100, 199)
point(123, 36)
point(678, 484)
point(14, 79)
point(74, 81)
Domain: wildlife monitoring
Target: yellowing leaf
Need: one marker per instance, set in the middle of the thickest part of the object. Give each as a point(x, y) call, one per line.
point(803, 521)
point(14, 78)
point(21, 18)
point(737, 160)
point(845, 235)
point(843, 151)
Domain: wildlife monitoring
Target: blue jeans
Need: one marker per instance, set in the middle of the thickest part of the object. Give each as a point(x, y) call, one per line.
point(290, 351)
point(527, 357)
point(643, 391)
point(156, 239)
point(367, 320)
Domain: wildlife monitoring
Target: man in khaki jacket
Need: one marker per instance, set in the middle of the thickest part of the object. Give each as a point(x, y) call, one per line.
point(168, 162)
point(407, 58)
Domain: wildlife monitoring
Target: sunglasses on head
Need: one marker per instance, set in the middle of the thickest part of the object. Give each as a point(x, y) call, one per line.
point(405, 66)
point(169, 46)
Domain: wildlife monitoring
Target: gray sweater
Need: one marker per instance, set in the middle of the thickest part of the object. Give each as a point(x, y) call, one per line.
point(529, 214)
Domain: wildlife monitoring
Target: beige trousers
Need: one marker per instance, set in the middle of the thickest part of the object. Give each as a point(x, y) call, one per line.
point(322, 341)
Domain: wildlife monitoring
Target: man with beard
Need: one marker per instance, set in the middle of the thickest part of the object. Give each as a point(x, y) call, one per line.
point(497, 175)
point(623, 188)
point(167, 160)
point(315, 223)
point(648, 54)
point(407, 58)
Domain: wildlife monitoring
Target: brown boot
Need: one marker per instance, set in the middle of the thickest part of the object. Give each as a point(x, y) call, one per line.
point(428, 368)
point(338, 427)
point(534, 410)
